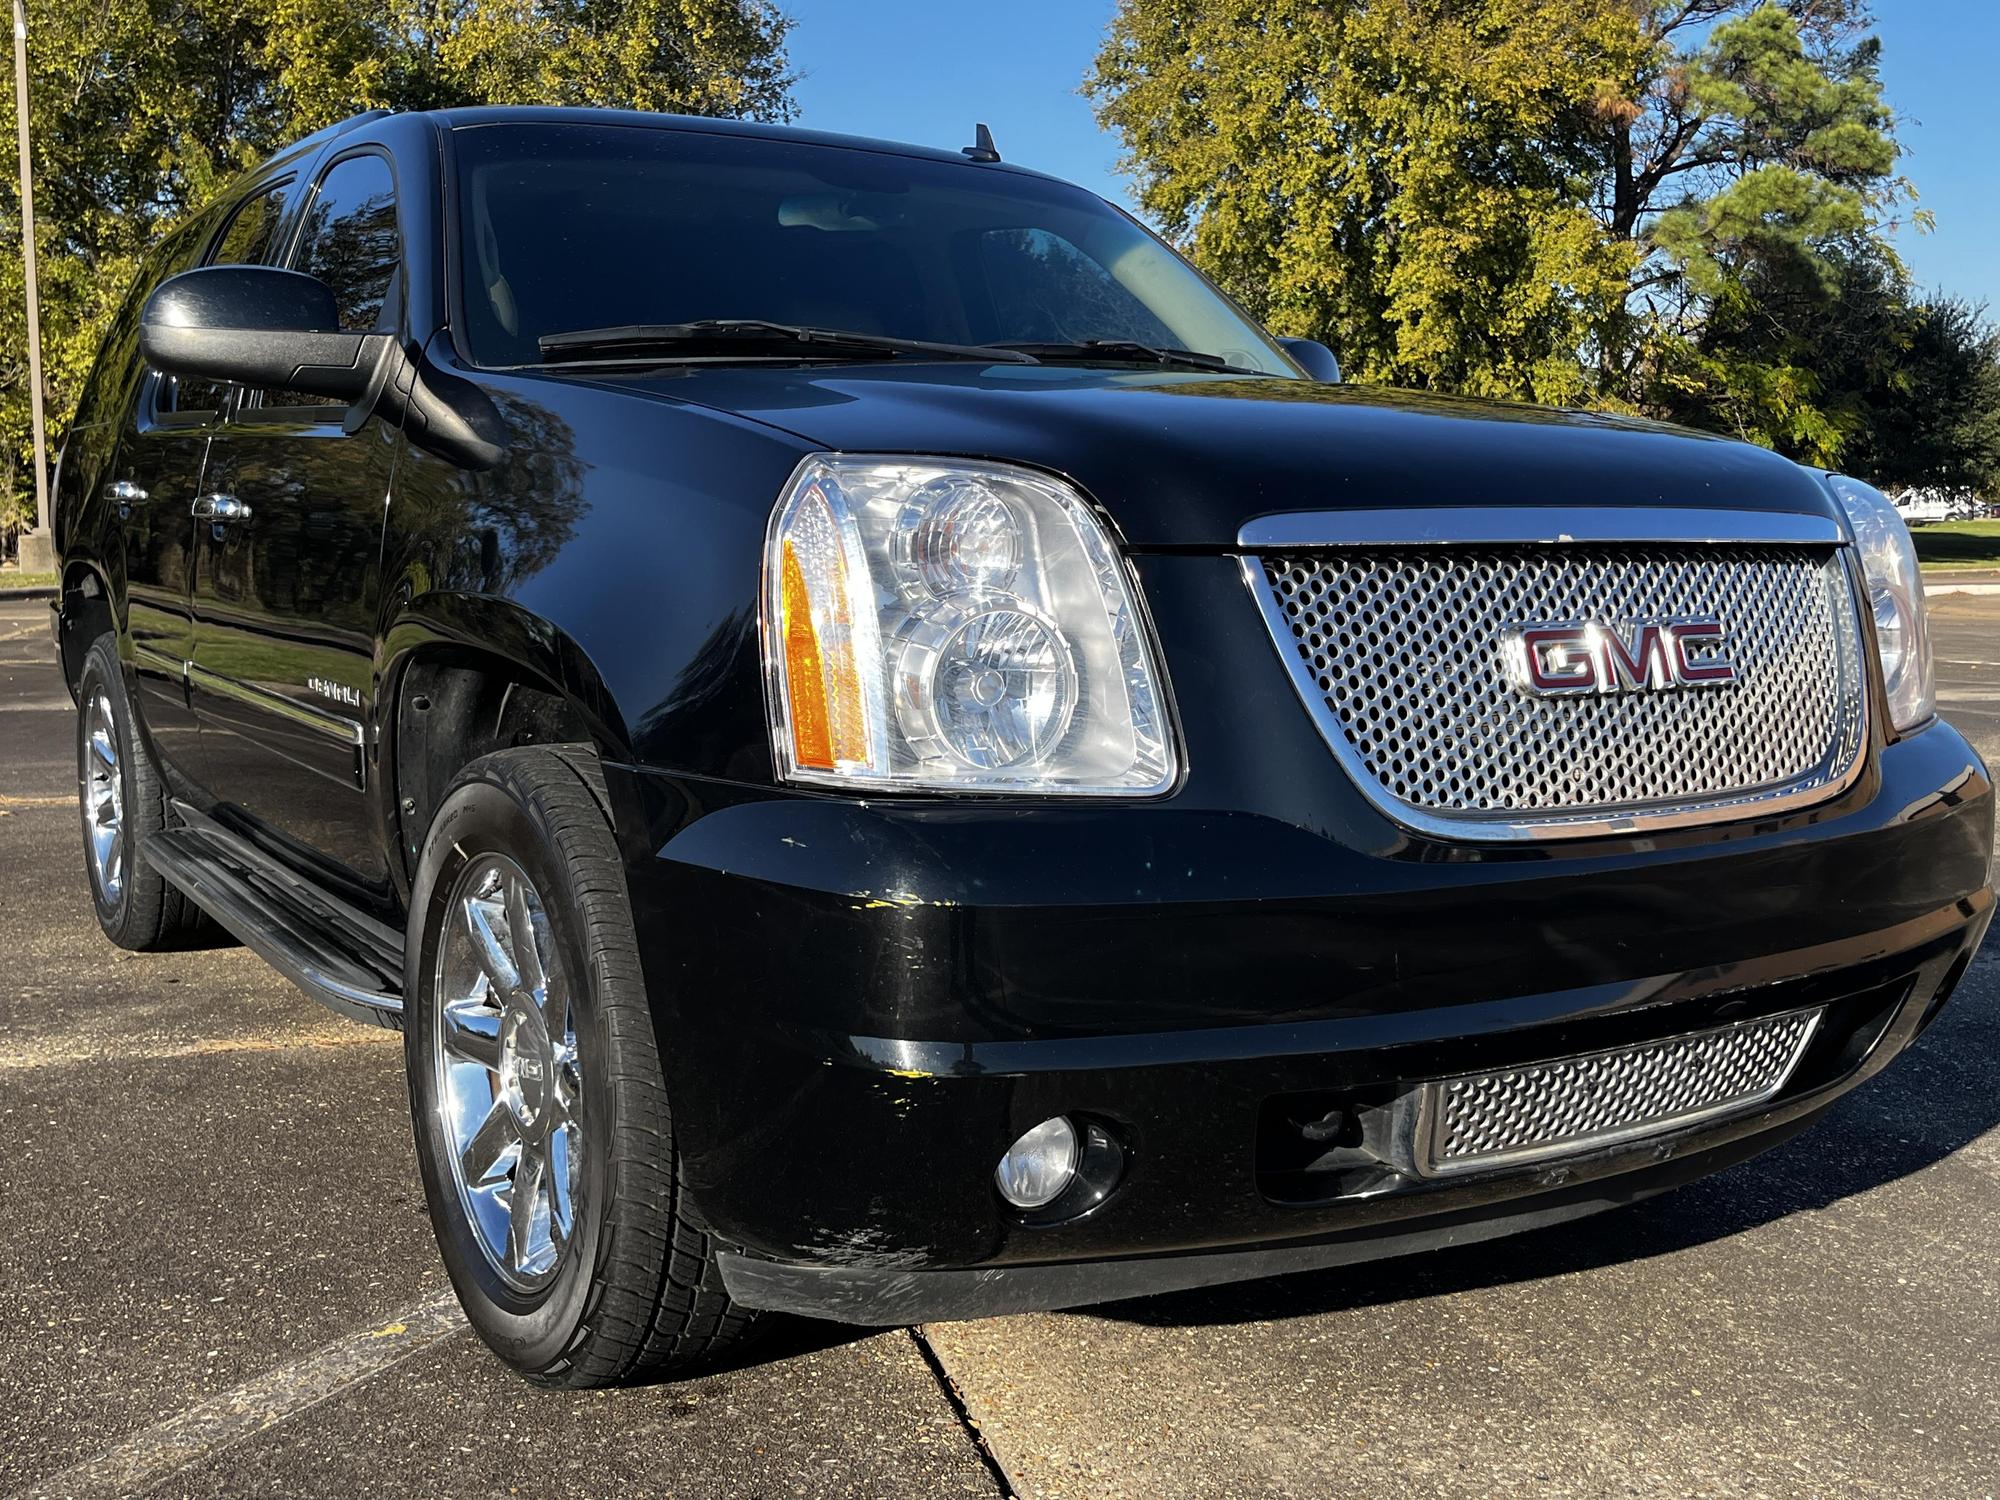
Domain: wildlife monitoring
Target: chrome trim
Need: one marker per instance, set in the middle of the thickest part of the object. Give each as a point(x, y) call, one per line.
point(333, 726)
point(1633, 818)
point(1600, 1079)
point(1537, 525)
point(220, 508)
point(159, 661)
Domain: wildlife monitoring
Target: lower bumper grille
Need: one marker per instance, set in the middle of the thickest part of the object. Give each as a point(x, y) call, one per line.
point(1479, 1121)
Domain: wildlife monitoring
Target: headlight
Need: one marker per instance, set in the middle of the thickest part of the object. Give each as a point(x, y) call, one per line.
point(958, 627)
point(1896, 595)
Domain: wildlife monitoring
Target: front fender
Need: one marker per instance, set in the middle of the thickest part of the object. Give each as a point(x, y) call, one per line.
point(614, 555)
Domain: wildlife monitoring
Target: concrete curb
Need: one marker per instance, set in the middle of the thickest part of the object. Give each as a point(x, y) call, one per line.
point(1938, 588)
point(39, 591)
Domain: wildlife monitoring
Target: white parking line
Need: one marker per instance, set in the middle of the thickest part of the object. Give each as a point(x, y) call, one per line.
point(58, 1052)
point(146, 1458)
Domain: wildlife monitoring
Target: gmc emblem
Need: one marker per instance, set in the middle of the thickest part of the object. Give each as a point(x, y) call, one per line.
point(1557, 658)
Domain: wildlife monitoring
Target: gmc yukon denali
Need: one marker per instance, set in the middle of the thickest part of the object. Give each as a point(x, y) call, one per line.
point(895, 757)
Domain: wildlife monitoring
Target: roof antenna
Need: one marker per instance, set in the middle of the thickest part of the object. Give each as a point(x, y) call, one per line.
point(982, 147)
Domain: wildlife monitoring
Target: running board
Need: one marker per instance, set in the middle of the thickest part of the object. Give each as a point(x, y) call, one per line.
point(347, 960)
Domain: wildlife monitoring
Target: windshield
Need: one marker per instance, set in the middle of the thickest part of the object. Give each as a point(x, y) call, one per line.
point(571, 227)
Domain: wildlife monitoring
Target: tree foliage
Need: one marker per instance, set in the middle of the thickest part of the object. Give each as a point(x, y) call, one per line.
point(1406, 180)
point(1652, 205)
point(143, 109)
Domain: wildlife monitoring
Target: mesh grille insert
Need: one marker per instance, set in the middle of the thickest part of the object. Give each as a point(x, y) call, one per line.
point(1402, 653)
point(1484, 1120)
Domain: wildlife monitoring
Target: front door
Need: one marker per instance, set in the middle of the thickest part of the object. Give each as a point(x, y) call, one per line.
point(154, 484)
point(287, 572)
point(157, 481)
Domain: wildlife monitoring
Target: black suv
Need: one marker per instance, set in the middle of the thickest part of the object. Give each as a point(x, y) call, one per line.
point(895, 757)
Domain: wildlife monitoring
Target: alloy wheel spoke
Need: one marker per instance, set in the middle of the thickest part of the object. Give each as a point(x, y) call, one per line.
point(555, 1010)
point(521, 927)
point(530, 1176)
point(489, 1143)
point(100, 746)
point(562, 1208)
point(489, 949)
point(472, 1033)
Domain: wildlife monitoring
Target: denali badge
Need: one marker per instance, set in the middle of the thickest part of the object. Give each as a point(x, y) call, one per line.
point(1589, 656)
point(339, 692)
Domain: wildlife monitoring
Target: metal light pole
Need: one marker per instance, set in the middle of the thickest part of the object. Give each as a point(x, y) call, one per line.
point(43, 550)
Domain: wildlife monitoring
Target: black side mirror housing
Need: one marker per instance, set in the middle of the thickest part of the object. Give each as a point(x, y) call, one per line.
point(1314, 358)
point(280, 330)
point(257, 325)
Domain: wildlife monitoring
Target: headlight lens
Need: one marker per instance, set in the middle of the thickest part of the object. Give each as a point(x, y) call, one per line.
point(1896, 595)
point(956, 626)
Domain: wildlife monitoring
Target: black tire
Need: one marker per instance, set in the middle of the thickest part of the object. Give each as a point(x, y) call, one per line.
point(141, 910)
point(635, 1290)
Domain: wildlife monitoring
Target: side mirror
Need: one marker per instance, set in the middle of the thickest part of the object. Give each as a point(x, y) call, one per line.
point(280, 330)
point(260, 326)
point(1314, 358)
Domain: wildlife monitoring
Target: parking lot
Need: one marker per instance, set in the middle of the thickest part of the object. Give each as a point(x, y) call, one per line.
point(216, 1277)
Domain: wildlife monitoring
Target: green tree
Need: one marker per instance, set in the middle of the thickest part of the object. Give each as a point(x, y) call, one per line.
point(1545, 199)
point(143, 109)
point(1756, 167)
point(1935, 419)
point(1405, 179)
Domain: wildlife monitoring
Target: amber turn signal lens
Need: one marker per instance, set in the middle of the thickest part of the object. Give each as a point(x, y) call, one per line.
point(828, 723)
point(812, 741)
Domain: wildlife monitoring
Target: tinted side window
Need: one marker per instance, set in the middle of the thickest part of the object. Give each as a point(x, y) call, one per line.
point(248, 239)
point(351, 242)
point(252, 234)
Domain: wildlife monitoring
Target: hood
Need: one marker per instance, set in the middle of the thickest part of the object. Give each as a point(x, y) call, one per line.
point(1184, 459)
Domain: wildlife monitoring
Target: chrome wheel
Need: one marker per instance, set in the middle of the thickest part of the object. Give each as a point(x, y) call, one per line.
point(103, 789)
point(510, 1083)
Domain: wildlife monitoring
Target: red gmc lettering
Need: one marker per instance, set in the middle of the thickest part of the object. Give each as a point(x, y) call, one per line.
point(1595, 658)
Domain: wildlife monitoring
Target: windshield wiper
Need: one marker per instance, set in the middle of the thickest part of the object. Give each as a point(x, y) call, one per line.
point(752, 335)
point(1124, 352)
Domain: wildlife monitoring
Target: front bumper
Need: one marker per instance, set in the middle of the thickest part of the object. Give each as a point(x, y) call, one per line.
point(861, 1006)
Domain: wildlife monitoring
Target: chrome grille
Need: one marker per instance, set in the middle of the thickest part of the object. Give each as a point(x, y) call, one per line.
point(1398, 652)
point(1549, 1109)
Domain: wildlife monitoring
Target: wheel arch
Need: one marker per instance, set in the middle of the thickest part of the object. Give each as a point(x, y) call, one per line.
point(464, 675)
point(85, 612)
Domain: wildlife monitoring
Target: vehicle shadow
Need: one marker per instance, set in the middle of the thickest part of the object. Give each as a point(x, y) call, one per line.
point(1930, 1103)
point(777, 1339)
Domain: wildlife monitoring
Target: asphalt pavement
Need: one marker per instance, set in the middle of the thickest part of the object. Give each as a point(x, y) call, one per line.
point(216, 1279)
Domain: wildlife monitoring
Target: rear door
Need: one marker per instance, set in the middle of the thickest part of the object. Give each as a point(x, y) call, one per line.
point(287, 563)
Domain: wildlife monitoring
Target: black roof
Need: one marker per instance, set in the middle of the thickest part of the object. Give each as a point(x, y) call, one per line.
point(522, 114)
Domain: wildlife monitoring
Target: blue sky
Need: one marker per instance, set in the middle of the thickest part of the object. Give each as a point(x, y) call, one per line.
point(925, 70)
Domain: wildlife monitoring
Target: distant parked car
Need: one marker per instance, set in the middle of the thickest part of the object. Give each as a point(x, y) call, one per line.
point(1924, 507)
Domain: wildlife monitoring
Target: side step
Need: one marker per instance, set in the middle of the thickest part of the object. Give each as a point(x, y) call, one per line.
point(342, 957)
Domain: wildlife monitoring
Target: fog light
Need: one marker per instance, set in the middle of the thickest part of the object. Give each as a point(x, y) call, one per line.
point(1040, 1166)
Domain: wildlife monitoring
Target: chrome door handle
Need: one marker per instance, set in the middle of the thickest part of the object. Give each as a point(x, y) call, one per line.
point(220, 508)
point(124, 494)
